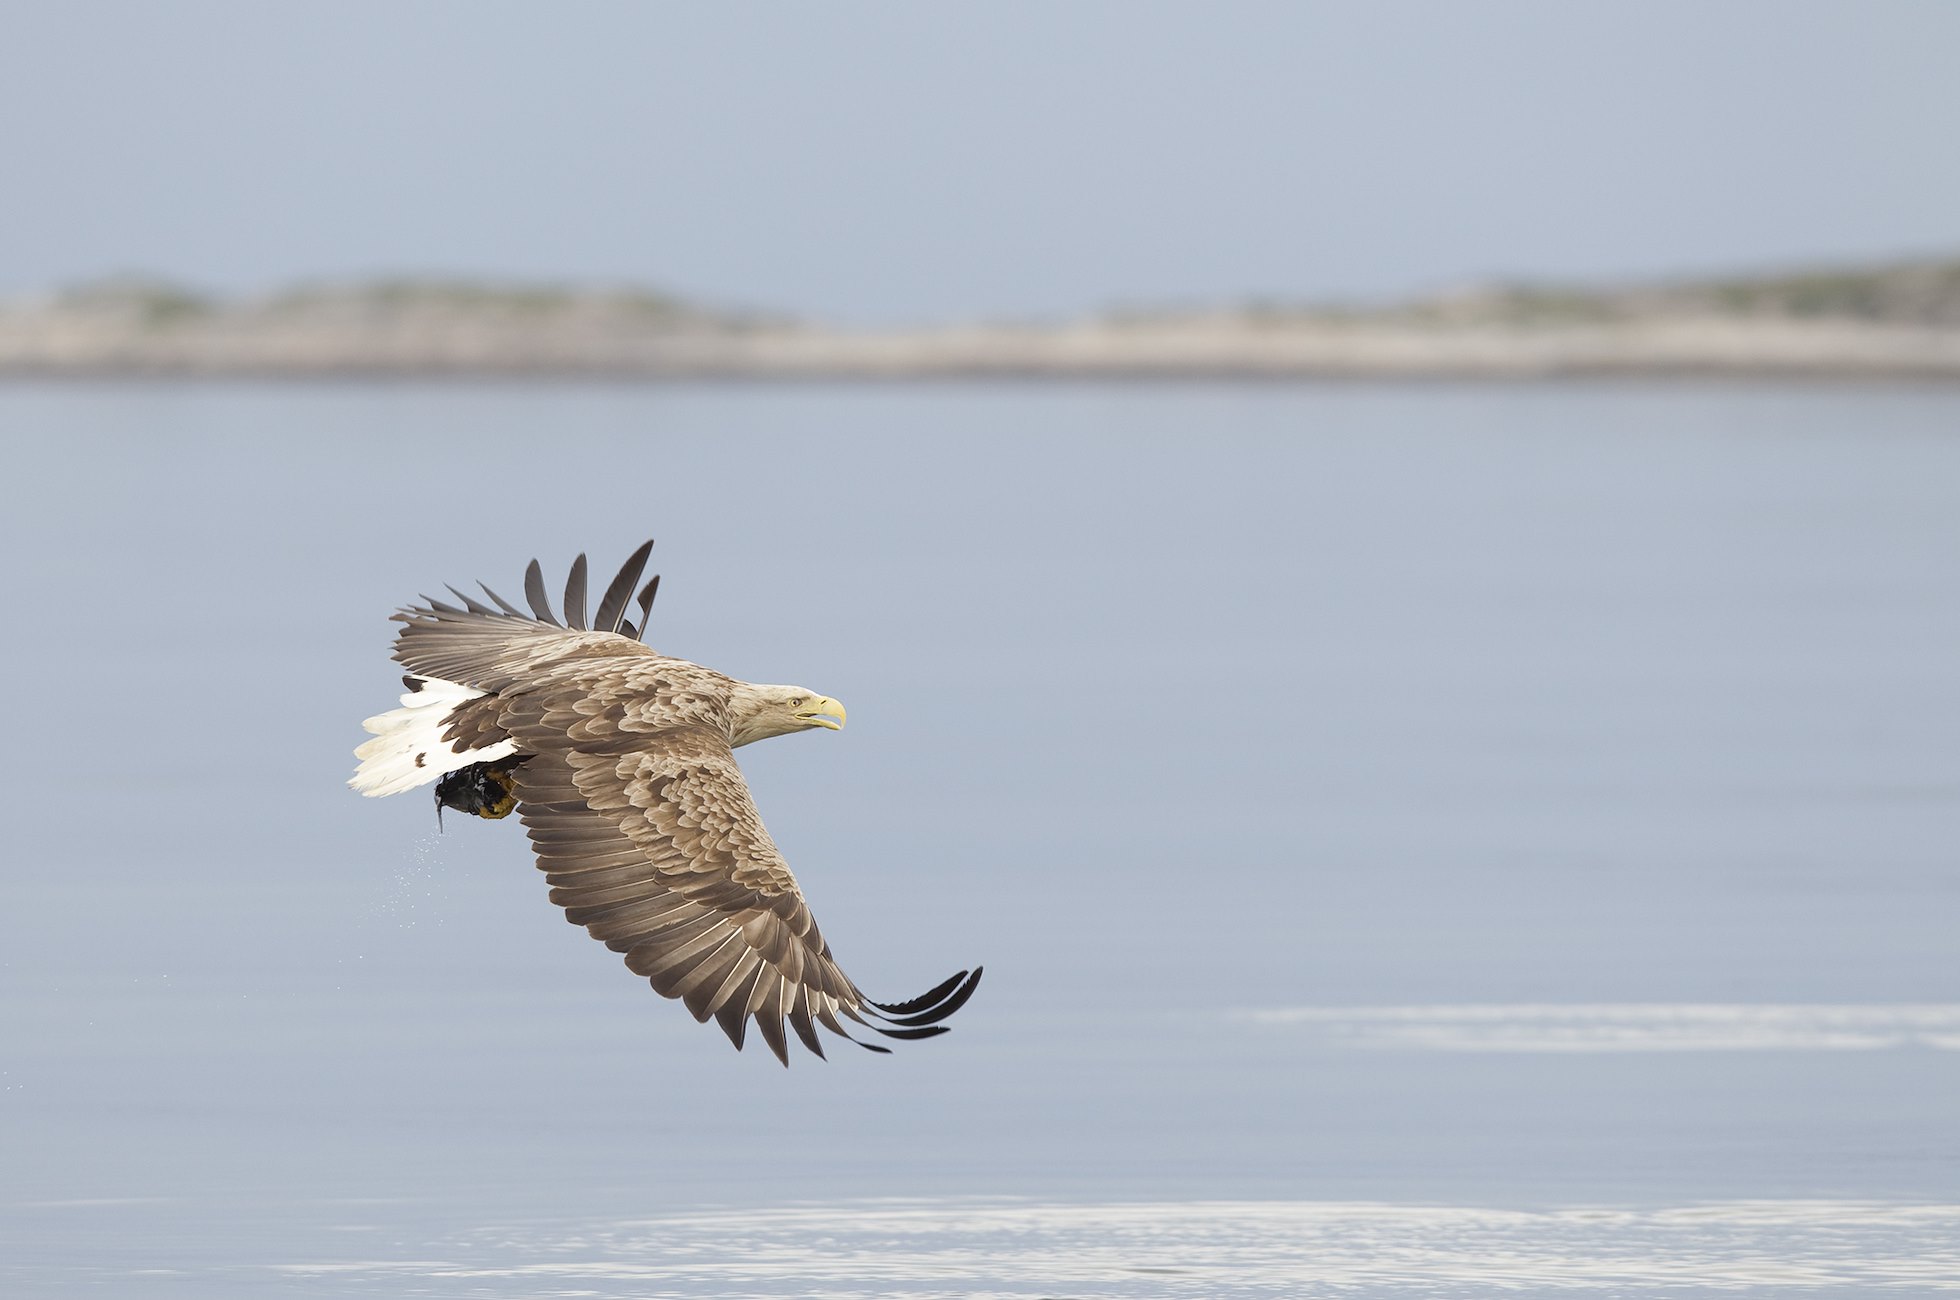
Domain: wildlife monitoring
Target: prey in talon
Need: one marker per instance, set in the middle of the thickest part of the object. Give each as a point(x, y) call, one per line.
point(486, 790)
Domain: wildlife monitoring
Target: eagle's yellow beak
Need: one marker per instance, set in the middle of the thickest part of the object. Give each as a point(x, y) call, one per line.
point(822, 712)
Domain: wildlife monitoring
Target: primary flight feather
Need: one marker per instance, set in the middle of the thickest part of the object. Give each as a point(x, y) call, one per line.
point(620, 763)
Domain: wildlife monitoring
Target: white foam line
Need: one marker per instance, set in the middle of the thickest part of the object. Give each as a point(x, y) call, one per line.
point(1215, 1248)
point(1629, 1026)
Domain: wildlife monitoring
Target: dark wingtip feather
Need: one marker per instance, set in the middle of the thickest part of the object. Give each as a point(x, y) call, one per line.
point(733, 1018)
point(534, 593)
point(471, 603)
point(646, 603)
point(931, 997)
point(612, 605)
point(575, 594)
point(771, 1030)
point(799, 1020)
point(828, 1019)
point(502, 604)
point(919, 1031)
point(933, 1013)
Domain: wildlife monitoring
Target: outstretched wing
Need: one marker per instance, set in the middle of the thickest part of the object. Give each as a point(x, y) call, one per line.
point(650, 840)
point(488, 647)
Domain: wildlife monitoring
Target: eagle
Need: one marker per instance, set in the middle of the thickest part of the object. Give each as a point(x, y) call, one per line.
point(620, 762)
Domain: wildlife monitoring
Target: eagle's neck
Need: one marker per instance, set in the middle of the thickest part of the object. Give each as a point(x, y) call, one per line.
point(754, 713)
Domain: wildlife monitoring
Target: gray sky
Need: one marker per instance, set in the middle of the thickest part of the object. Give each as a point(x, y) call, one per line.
point(888, 162)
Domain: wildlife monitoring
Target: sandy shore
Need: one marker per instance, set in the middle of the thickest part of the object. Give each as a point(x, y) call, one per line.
point(30, 347)
point(144, 330)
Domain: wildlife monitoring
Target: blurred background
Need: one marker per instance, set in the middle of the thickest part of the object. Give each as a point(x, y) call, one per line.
point(875, 163)
point(1430, 810)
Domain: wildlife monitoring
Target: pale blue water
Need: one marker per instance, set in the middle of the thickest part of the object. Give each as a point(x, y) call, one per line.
point(1423, 841)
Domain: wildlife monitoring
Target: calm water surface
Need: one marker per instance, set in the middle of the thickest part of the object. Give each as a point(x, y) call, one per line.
point(1423, 841)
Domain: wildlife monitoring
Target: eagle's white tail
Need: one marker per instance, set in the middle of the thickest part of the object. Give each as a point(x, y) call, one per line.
point(408, 749)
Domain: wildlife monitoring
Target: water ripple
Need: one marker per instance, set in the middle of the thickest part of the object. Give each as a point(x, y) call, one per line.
point(1221, 1248)
point(1628, 1026)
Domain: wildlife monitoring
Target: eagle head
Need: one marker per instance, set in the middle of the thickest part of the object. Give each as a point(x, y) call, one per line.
point(759, 712)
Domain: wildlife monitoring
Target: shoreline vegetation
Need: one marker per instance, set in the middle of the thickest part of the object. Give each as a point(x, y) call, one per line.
point(1898, 321)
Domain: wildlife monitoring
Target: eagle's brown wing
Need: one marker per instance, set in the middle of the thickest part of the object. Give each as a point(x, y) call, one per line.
point(651, 841)
point(489, 648)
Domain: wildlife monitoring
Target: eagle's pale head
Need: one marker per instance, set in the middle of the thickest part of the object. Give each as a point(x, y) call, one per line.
point(759, 712)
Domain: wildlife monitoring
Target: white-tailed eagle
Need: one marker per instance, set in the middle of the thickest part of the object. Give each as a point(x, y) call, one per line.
point(620, 763)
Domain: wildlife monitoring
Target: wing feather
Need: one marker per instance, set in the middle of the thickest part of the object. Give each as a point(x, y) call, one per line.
point(646, 603)
point(502, 604)
point(575, 594)
point(471, 603)
point(799, 1018)
point(612, 605)
point(534, 594)
point(765, 1005)
point(730, 1000)
point(695, 984)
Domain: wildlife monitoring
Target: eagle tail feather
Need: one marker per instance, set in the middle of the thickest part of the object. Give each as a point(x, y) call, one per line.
point(408, 748)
